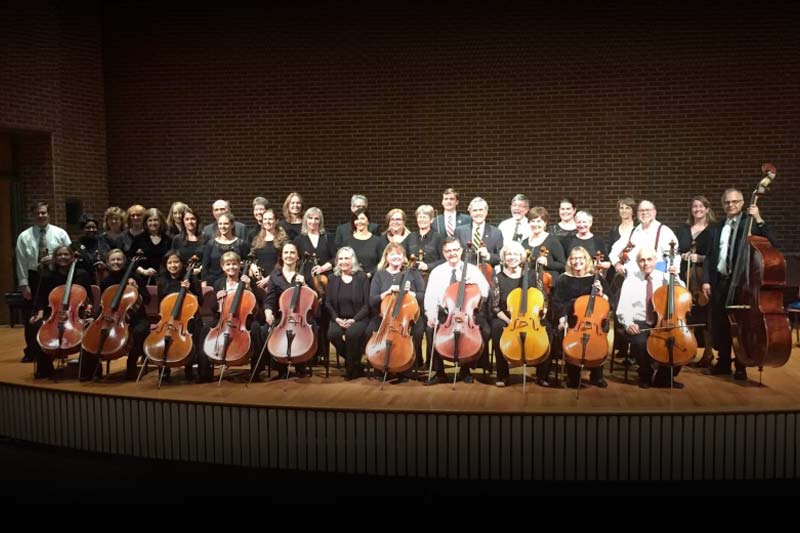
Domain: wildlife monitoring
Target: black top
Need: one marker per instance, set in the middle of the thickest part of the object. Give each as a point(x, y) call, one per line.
point(324, 250)
point(114, 278)
point(345, 231)
point(368, 252)
point(113, 243)
point(266, 257)
point(168, 285)
point(556, 260)
point(153, 253)
point(277, 284)
point(94, 250)
point(55, 278)
point(569, 288)
point(186, 249)
point(214, 251)
point(348, 300)
point(430, 244)
point(292, 230)
point(702, 243)
point(383, 279)
point(592, 245)
point(502, 286)
point(559, 232)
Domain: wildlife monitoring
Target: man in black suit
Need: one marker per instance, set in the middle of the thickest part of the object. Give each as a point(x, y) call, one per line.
point(450, 220)
point(718, 267)
point(486, 238)
point(343, 231)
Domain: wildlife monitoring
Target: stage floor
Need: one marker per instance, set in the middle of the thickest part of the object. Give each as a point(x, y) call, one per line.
point(702, 393)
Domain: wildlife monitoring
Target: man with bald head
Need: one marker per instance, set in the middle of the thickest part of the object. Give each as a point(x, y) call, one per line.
point(219, 208)
point(635, 312)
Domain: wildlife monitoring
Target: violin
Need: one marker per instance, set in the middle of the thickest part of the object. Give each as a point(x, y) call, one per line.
point(391, 349)
point(108, 336)
point(671, 342)
point(544, 279)
point(421, 259)
point(459, 339)
point(228, 343)
point(170, 343)
point(293, 339)
point(485, 268)
point(694, 273)
point(760, 331)
point(585, 341)
point(524, 340)
point(61, 334)
point(319, 281)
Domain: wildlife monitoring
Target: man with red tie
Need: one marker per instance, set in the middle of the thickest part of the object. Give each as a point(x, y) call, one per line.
point(450, 220)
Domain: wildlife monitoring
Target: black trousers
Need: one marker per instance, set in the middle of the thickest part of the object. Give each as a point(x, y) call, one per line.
point(349, 342)
point(649, 369)
point(720, 326)
point(542, 369)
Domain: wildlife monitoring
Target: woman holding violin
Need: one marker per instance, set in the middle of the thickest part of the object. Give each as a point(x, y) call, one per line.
point(580, 280)
point(171, 280)
point(367, 246)
point(554, 261)
point(510, 277)
point(636, 312)
point(347, 302)
point(56, 276)
point(138, 325)
point(386, 282)
point(154, 243)
point(694, 243)
point(225, 241)
point(425, 240)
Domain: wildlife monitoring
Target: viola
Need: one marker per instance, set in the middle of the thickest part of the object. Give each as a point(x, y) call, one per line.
point(485, 268)
point(586, 343)
point(170, 343)
point(228, 343)
point(671, 342)
point(694, 273)
point(459, 339)
point(391, 348)
point(544, 279)
point(760, 328)
point(293, 339)
point(524, 340)
point(319, 281)
point(108, 336)
point(61, 334)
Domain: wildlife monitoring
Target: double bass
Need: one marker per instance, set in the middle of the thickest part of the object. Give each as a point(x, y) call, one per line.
point(170, 343)
point(228, 343)
point(108, 336)
point(760, 331)
point(459, 339)
point(524, 340)
point(585, 343)
point(61, 334)
point(293, 340)
point(391, 348)
point(671, 342)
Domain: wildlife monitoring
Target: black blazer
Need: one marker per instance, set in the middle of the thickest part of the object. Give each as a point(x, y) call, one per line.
point(492, 238)
point(710, 273)
point(462, 219)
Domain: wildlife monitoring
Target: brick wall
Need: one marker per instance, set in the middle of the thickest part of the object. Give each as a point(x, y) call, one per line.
point(52, 98)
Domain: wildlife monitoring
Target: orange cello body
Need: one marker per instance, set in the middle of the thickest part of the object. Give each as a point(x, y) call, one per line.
point(61, 334)
point(391, 348)
point(459, 338)
point(228, 343)
point(293, 339)
point(524, 340)
point(108, 337)
point(170, 343)
point(760, 330)
point(671, 343)
point(585, 343)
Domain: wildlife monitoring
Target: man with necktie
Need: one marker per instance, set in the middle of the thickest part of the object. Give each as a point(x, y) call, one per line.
point(450, 220)
point(485, 238)
point(517, 228)
point(717, 269)
point(34, 253)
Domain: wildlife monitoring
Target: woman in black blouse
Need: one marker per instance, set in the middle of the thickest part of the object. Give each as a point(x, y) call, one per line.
point(565, 227)
point(347, 302)
point(553, 262)
point(224, 241)
point(190, 242)
point(292, 215)
point(154, 242)
point(175, 218)
point(113, 228)
point(425, 240)
point(585, 238)
point(93, 249)
point(367, 246)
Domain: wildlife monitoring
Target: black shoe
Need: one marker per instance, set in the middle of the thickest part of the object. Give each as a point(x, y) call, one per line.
point(720, 370)
point(468, 378)
point(26, 359)
point(628, 361)
point(573, 384)
point(740, 375)
point(435, 379)
point(599, 383)
point(676, 385)
point(644, 384)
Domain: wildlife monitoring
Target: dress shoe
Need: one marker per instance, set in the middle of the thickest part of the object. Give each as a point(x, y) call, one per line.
point(599, 383)
point(26, 359)
point(643, 384)
point(740, 375)
point(719, 370)
point(435, 379)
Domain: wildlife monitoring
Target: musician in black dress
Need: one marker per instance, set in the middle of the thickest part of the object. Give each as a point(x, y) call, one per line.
point(577, 281)
point(55, 276)
point(347, 302)
point(174, 222)
point(586, 239)
point(425, 240)
point(554, 261)
point(134, 226)
point(367, 245)
point(504, 282)
point(565, 227)
point(292, 222)
point(93, 249)
point(154, 243)
point(113, 228)
point(190, 241)
point(225, 241)
point(396, 229)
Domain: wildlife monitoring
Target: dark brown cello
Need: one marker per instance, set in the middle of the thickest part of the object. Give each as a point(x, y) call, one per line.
point(671, 342)
point(459, 339)
point(293, 340)
point(61, 334)
point(760, 331)
point(228, 343)
point(108, 336)
point(544, 279)
point(170, 343)
point(391, 348)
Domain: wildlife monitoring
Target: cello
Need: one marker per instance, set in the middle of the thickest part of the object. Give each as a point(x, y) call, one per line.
point(585, 343)
point(228, 343)
point(293, 340)
point(459, 339)
point(671, 342)
point(760, 331)
point(524, 340)
point(108, 336)
point(391, 348)
point(170, 343)
point(61, 334)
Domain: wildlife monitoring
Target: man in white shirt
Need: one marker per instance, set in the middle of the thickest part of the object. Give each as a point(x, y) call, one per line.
point(635, 312)
point(649, 233)
point(517, 228)
point(439, 280)
point(34, 251)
